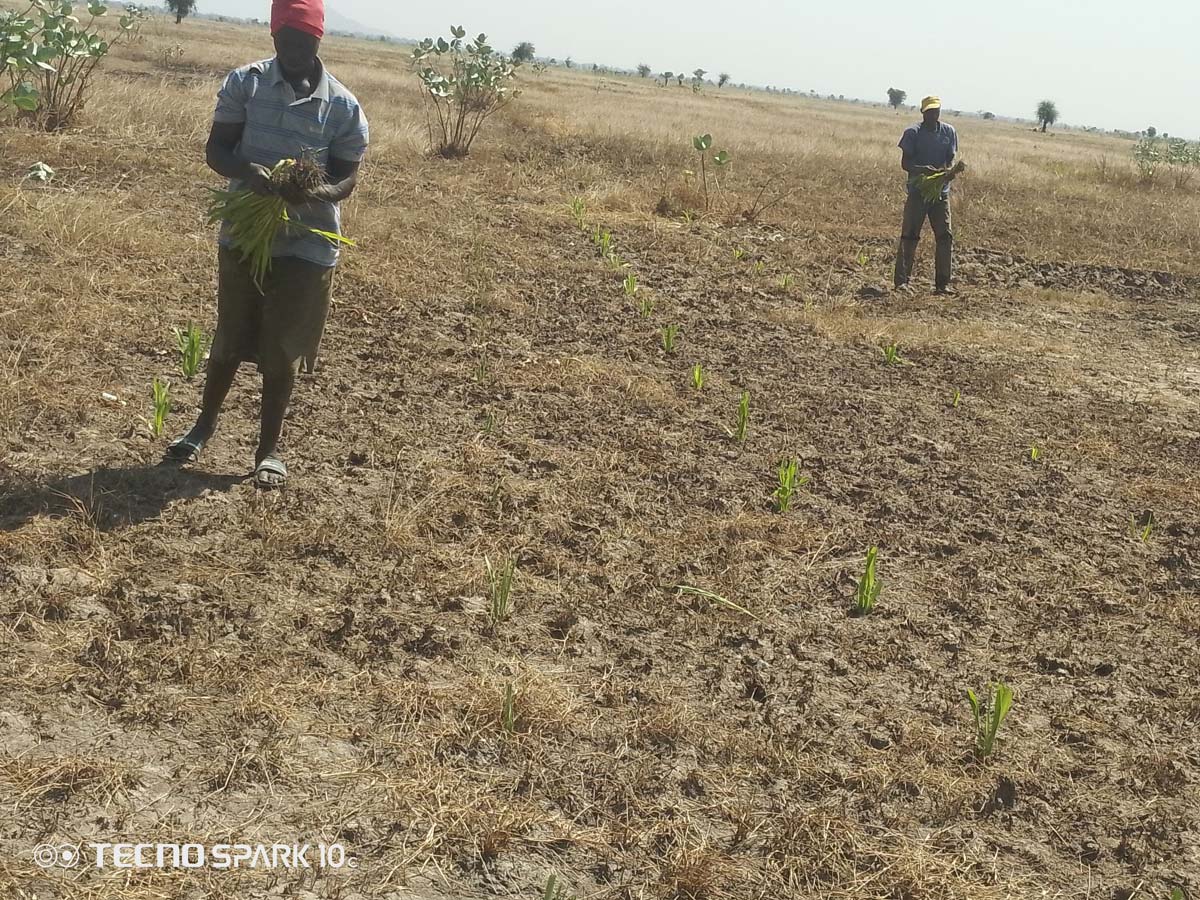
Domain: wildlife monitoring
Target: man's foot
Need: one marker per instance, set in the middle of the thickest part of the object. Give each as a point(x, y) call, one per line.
point(903, 288)
point(945, 290)
point(188, 448)
point(270, 473)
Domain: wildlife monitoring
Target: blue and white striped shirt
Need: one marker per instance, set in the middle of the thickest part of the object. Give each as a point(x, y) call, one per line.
point(280, 125)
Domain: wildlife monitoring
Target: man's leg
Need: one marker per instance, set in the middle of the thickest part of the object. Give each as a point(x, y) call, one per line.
point(237, 315)
point(939, 219)
point(294, 314)
point(278, 385)
point(910, 236)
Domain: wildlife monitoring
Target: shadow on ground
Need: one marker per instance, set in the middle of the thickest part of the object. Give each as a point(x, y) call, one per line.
point(107, 498)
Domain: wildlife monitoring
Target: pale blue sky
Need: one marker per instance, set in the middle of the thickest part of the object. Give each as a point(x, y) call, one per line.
point(1106, 63)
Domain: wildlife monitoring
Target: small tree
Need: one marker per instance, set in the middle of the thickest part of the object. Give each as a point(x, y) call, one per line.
point(569, 63)
point(1151, 132)
point(644, 70)
point(48, 56)
point(181, 8)
point(896, 98)
point(679, 77)
point(523, 52)
point(722, 79)
point(666, 77)
point(1047, 114)
point(988, 116)
point(466, 84)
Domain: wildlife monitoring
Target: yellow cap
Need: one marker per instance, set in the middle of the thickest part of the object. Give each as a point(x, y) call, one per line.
point(931, 103)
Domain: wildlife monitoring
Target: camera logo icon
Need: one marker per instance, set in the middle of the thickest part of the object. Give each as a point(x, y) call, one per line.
point(64, 856)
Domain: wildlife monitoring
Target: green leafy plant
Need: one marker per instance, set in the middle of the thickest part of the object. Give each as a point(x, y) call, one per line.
point(989, 717)
point(161, 398)
point(669, 334)
point(500, 585)
point(698, 376)
point(465, 83)
point(48, 55)
point(738, 254)
point(869, 586)
point(191, 345)
point(605, 243)
point(891, 355)
point(786, 282)
point(702, 144)
point(760, 268)
point(933, 186)
point(579, 212)
point(789, 482)
point(631, 285)
point(862, 259)
point(1035, 453)
point(616, 263)
point(646, 306)
point(743, 418)
point(956, 400)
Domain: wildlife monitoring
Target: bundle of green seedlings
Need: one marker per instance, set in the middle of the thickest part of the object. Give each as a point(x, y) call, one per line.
point(255, 220)
point(931, 186)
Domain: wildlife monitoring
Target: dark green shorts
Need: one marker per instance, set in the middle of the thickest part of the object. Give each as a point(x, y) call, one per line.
point(281, 326)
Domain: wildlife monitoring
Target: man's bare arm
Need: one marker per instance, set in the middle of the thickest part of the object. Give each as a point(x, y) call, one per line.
point(343, 179)
point(221, 153)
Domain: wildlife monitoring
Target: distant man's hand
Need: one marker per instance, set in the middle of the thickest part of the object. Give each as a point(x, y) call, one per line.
point(258, 180)
point(926, 170)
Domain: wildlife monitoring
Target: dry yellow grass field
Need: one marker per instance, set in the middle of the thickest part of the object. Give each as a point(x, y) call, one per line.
point(183, 659)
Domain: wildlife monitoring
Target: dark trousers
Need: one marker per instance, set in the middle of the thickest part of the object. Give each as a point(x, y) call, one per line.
point(916, 211)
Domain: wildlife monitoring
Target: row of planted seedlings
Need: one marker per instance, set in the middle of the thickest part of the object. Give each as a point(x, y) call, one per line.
point(989, 711)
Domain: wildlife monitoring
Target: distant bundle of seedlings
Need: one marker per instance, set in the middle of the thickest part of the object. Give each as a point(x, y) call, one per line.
point(932, 186)
point(255, 220)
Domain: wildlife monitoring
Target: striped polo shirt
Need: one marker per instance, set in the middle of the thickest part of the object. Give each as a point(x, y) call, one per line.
point(280, 125)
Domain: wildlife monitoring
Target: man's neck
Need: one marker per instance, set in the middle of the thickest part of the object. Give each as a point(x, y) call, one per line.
point(305, 84)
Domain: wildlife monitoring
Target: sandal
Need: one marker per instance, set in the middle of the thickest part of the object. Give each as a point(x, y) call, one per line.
point(186, 449)
point(271, 473)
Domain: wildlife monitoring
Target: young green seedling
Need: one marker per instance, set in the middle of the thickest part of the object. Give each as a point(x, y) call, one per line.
point(738, 254)
point(698, 377)
point(669, 334)
point(787, 281)
point(869, 586)
point(191, 344)
point(631, 285)
point(760, 268)
point(500, 585)
point(989, 720)
point(1142, 528)
point(957, 399)
point(647, 306)
point(863, 259)
point(743, 418)
point(161, 393)
point(789, 482)
point(891, 355)
point(579, 211)
point(1035, 453)
point(508, 711)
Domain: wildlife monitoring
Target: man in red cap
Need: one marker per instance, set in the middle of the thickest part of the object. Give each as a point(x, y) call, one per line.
point(276, 109)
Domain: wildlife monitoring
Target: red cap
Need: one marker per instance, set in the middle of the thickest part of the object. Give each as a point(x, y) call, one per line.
point(305, 15)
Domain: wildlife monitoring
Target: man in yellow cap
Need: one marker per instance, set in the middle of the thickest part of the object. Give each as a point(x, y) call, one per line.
point(927, 148)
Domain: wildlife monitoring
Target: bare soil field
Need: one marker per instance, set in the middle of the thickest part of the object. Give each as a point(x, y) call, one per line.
point(184, 659)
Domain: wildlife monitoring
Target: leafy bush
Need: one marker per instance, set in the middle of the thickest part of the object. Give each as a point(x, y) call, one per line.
point(48, 56)
point(466, 83)
point(1175, 155)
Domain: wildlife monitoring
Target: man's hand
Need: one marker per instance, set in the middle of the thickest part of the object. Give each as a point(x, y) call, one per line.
point(926, 170)
point(258, 179)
